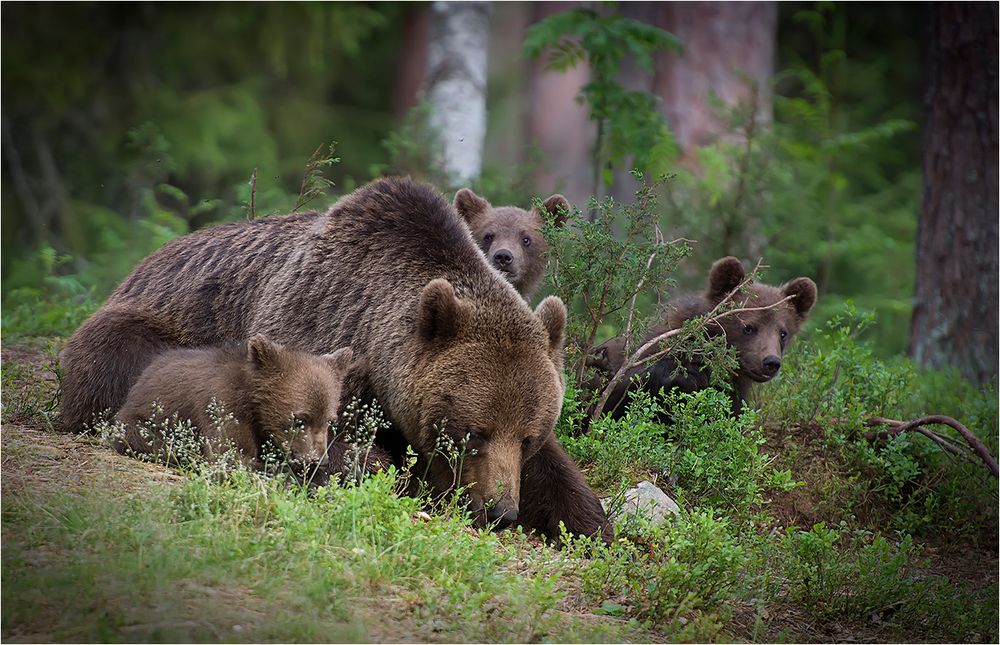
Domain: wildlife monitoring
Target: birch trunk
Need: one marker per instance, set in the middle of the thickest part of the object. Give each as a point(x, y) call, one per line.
point(456, 84)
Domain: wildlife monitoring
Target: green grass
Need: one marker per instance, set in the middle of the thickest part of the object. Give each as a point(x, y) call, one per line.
point(883, 542)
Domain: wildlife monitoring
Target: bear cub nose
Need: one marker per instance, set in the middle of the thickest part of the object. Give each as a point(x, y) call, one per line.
point(502, 258)
point(772, 364)
point(500, 518)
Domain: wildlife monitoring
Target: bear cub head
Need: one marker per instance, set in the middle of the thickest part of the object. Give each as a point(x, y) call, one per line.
point(759, 337)
point(511, 237)
point(295, 396)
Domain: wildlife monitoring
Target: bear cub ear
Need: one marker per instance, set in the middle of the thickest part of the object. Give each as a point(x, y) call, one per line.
point(558, 206)
point(470, 205)
point(438, 311)
point(804, 291)
point(340, 360)
point(552, 313)
point(726, 274)
point(262, 352)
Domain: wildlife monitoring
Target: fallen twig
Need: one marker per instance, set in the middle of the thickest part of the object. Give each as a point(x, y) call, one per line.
point(899, 427)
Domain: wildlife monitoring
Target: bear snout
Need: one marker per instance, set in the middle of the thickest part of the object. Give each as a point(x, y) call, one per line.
point(501, 516)
point(502, 258)
point(771, 365)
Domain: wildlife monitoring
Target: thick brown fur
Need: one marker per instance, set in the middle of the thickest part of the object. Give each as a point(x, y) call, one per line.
point(271, 393)
point(759, 337)
point(511, 237)
point(392, 271)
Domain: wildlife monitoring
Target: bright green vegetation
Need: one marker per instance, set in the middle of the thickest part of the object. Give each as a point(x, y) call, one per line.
point(243, 557)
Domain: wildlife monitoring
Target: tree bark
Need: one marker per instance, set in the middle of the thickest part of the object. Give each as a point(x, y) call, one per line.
point(726, 44)
point(456, 84)
point(558, 124)
point(955, 305)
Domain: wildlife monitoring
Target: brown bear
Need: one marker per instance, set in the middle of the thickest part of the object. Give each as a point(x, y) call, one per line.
point(391, 270)
point(511, 237)
point(759, 337)
point(267, 393)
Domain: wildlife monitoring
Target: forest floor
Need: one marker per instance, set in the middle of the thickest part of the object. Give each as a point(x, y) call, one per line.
point(98, 546)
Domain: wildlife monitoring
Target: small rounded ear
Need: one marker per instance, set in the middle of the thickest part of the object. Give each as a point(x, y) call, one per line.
point(552, 313)
point(726, 274)
point(804, 291)
point(340, 360)
point(559, 207)
point(470, 205)
point(438, 311)
point(262, 352)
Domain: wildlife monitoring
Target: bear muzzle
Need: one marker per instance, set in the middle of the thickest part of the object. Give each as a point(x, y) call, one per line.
point(769, 367)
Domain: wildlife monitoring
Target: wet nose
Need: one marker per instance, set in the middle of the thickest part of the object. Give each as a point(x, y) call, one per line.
point(500, 518)
point(772, 364)
point(502, 258)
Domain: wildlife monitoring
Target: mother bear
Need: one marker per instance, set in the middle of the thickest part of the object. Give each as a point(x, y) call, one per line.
point(391, 270)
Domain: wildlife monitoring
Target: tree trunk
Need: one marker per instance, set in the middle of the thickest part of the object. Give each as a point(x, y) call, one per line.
point(559, 125)
point(955, 305)
point(456, 84)
point(725, 45)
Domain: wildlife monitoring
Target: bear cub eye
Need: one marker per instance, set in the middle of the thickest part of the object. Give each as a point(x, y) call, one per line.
point(749, 329)
point(783, 334)
point(526, 241)
point(488, 238)
point(300, 420)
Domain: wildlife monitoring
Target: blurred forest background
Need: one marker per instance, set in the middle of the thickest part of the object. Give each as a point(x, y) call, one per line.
point(795, 132)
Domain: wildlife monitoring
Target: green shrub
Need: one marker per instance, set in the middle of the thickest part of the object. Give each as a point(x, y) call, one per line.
point(618, 451)
point(668, 576)
point(715, 458)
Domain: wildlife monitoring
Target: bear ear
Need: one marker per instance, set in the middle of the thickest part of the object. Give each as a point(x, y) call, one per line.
point(470, 205)
point(262, 352)
point(560, 209)
point(726, 274)
point(438, 311)
point(804, 291)
point(552, 313)
point(340, 360)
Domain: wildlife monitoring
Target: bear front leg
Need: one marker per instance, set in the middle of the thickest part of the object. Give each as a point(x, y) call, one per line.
point(553, 490)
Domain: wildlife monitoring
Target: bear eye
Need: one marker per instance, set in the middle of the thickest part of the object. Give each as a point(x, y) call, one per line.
point(749, 329)
point(526, 240)
point(300, 420)
point(525, 444)
point(488, 238)
point(783, 334)
point(472, 442)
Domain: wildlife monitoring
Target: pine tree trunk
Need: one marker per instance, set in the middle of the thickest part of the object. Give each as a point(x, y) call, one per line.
point(726, 44)
point(456, 84)
point(955, 306)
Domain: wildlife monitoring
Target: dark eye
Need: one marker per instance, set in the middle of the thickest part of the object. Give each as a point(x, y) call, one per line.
point(488, 238)
point(526, 444)
point(473, 437)
point(300, 420)
point(526, 240)
point(749, 329)
point(783, 334)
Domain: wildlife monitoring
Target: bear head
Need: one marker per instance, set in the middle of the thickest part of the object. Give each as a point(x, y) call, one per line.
point(295, 396)
point(511, 237)
point(761, 336)
point(493, 385)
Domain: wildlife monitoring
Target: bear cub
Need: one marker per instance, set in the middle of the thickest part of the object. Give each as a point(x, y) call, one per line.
point(511, 237)
point(269, 394)
point(759, 337)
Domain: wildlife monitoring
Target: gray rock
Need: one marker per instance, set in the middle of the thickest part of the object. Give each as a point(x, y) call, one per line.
point(653, 502)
